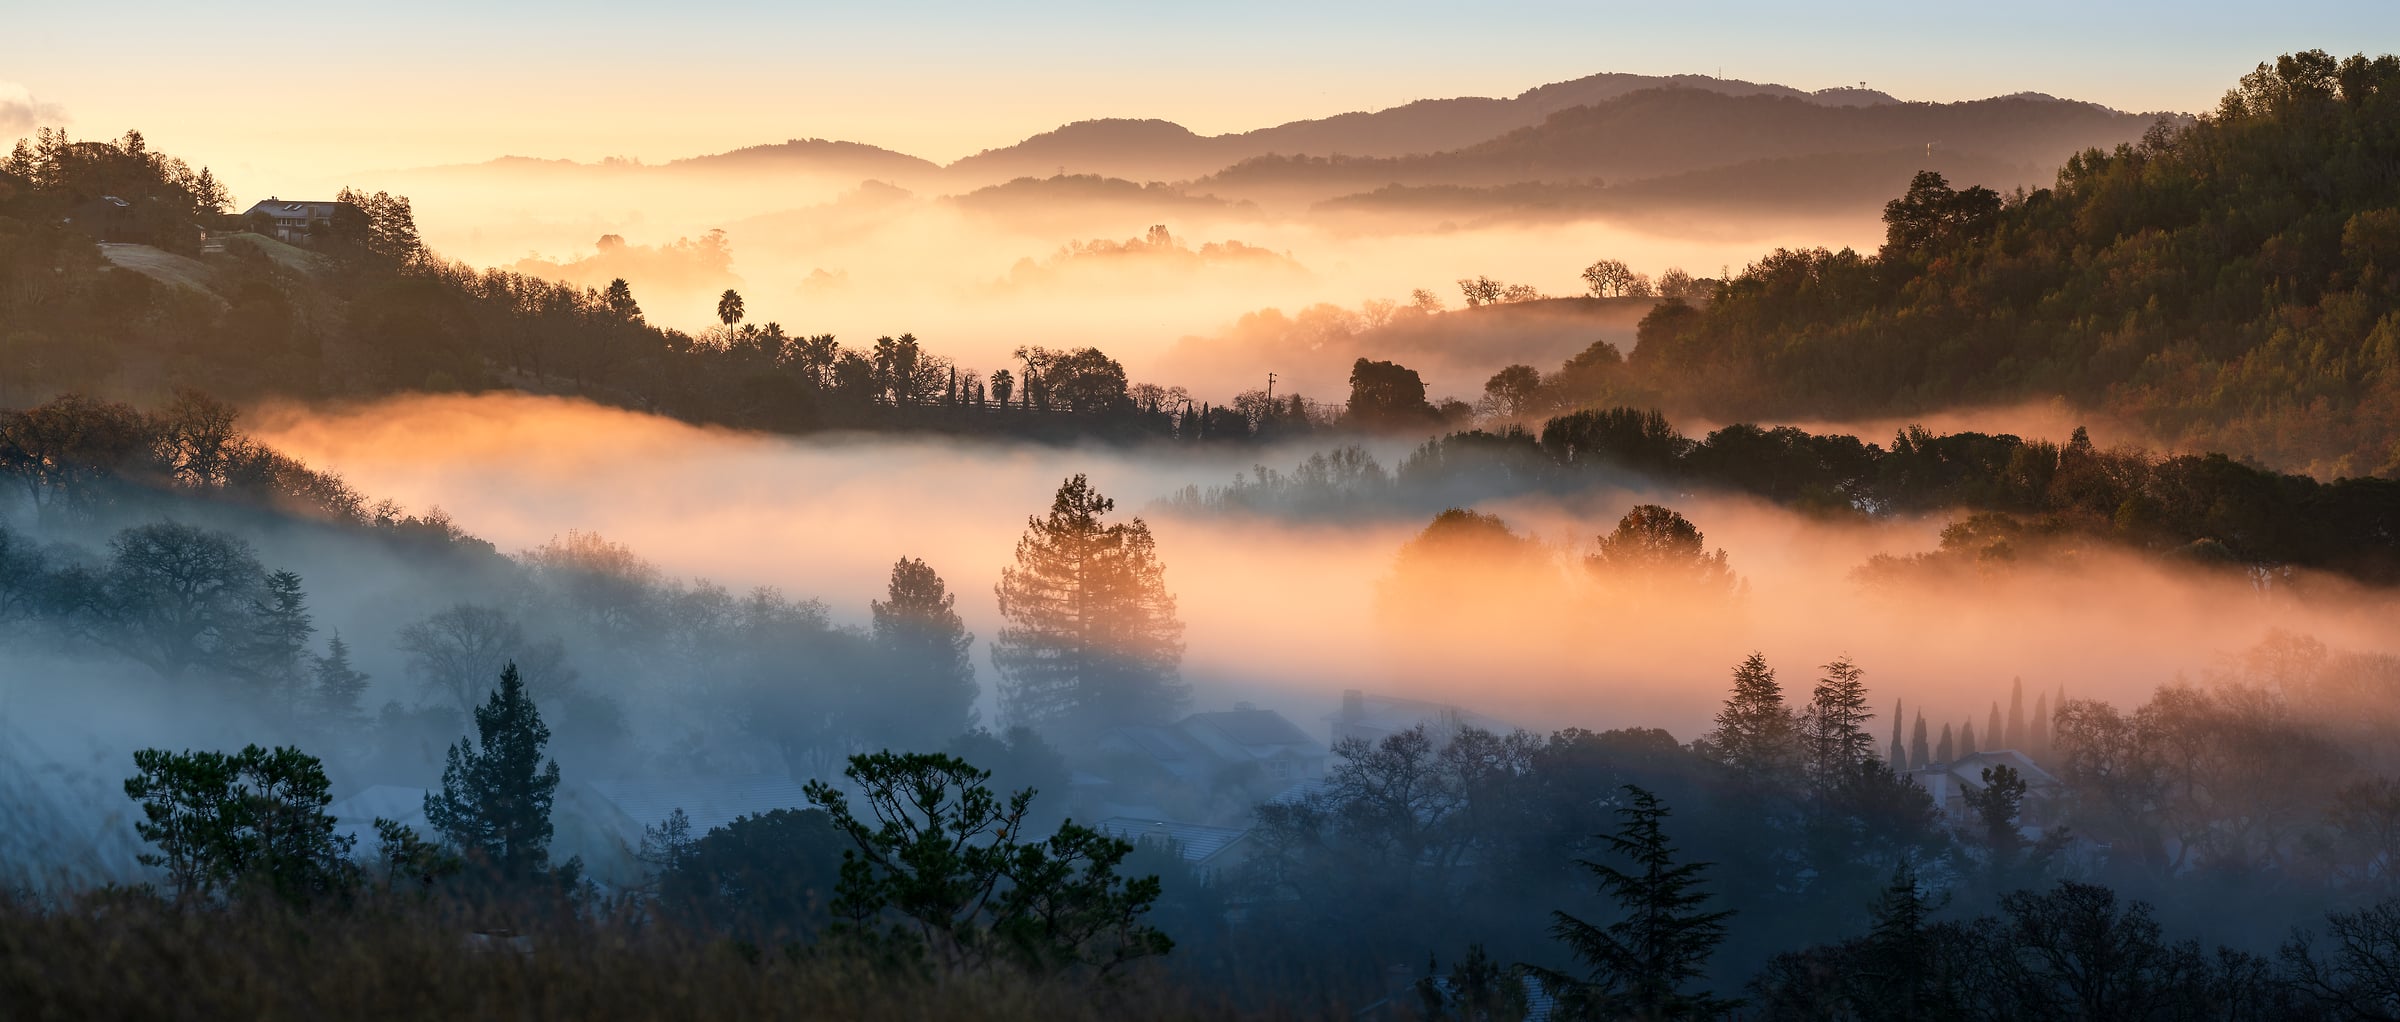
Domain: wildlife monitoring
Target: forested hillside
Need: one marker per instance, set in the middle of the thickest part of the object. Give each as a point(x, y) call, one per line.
point(2229, 285)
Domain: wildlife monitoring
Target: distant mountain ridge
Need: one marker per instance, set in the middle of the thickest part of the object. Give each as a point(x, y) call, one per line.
point(1146, 150)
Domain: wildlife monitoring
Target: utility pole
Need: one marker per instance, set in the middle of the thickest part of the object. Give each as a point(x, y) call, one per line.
point(1270, 387)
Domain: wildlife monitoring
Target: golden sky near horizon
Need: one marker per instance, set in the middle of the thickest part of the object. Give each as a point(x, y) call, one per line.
point(279, 90)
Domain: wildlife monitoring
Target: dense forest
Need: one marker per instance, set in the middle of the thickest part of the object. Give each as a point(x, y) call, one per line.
point(2228, 285)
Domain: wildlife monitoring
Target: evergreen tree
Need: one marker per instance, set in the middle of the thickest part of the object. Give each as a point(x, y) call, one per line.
point(2014, 737)
point(1834, 728)
point(1755, 732)
point(253, 820)
point(1966, 739)
point(1638, 966)
point(278, 639)
point(1991, 729)
point(1899, 756)
point(1945, 752)
point(918, 630)
point(1919, 754)
point(1092, 639)
point(1895, 976)
point(2037, 730)
point(496, 794)
point(335, 689)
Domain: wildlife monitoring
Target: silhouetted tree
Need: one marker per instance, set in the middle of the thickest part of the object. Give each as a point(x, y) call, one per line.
point(1756, 732)
point(496, 792)
point(1654, 547)
point(1638, 966)
point(942, 868)
point(251, 820)
point(334, 689)
point(1092, 639)
point(931, 683)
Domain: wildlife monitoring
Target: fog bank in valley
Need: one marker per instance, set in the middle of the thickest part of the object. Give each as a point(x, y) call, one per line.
point(1287, 611)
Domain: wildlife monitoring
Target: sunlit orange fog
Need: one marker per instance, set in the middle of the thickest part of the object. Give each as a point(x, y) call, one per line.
point(1287, 612)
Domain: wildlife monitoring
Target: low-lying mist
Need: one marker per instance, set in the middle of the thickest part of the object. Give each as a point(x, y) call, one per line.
point(1287, 611)
point(977, 275)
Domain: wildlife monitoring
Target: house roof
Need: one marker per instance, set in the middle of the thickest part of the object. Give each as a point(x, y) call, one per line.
point(1197, 842)
point(1250, 727)
point(313, 209)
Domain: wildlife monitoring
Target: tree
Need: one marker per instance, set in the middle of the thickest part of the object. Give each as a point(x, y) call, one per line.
point(918, 630)
point(1919, 753)
point(455, 651)
point(253, 820)
point(1092, 639)
point(941, 873)
point(1755, 731)
point(1513, 389)
point(1677, 286)
point(762, 877)
point(1833, 730)
point(1931, 214)
point(729, 308)
point(1608, 278)
point(1478, 291)
point(619, 300)
point(278, 638)
point(496, 794)
point(178, 597)
point(335, 688)
point(1656, 549)
point(1384, 395)
point(1086, 381)
point(1638, 966)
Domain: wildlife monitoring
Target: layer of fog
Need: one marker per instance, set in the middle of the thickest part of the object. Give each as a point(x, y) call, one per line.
point(1286, 612)
point(979, 278)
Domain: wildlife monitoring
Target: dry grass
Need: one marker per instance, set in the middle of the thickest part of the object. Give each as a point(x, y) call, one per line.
point(133, 957)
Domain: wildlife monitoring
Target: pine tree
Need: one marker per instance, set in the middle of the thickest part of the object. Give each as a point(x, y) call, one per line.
point(278, 638)
point(1092, 639)
point(1755, 732)
point(334, 691)
point(1919, 754)
point(918, 629)
point(1833, 730)
point(1637, 966)
point(1893, 974)
point(496, 795)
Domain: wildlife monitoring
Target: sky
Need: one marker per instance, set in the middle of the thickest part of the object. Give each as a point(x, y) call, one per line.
point(273, 88)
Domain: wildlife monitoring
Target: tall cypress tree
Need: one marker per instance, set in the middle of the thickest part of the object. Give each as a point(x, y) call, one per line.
point(2014, 737)
point(496, 794)
point(2037, 730)
point(1919, 753)
point(1992, 733)
point(1946, 751)
point(1899, 757)
point(1637, 967)
point(1966, 739)
point(1092, 639)
point(1755, 733)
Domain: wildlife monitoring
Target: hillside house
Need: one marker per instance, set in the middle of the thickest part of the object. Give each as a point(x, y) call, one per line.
point(1204, 746)
point(1950, 783)
point(301, 221)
